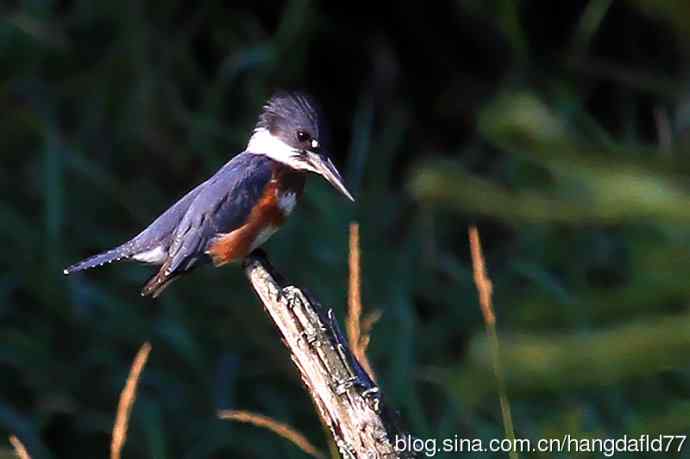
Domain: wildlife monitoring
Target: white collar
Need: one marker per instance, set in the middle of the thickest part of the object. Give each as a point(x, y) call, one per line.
point(262, 142)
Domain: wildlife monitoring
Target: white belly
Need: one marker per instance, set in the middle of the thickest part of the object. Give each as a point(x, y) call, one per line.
point(287, 202)
point(263, 236)
point(155, 256)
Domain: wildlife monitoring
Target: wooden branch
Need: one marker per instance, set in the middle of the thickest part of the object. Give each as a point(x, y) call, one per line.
point(346, 398)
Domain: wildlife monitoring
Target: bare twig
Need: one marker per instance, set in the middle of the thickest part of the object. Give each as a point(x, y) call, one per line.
point(19, 448)
point(485, 291)
point(358, 328)
point(347, 400)
point(279, 428)
point(370, 320)
point(127, 398)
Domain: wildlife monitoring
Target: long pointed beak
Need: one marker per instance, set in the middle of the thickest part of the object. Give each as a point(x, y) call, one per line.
point(323, 166)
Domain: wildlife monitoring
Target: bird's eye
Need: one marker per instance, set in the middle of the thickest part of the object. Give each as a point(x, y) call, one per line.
point(303, 136)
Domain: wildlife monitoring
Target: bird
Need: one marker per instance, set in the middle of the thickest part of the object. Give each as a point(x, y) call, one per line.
point(243, 204)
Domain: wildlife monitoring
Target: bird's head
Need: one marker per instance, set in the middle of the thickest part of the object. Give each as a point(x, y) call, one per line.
point(291, 130)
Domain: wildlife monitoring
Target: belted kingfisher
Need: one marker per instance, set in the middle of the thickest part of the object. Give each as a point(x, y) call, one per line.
point(243, 204)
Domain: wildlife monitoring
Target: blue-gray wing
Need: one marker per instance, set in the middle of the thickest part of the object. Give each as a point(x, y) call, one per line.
point(222, 205)
point(163, 226)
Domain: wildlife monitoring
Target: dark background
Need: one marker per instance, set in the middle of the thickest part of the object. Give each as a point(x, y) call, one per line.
point(559, 127)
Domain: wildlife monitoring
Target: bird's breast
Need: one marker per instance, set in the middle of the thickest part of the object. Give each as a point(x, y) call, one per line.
point(287, 200)
point(279, 198)
point(287, 185)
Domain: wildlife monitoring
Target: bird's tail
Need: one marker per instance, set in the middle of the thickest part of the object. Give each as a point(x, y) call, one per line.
point(126, 250)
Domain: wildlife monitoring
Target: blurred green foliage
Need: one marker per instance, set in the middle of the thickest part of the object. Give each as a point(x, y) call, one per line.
point(561, 128)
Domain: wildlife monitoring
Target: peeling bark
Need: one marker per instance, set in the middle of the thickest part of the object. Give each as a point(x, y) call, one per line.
point(348, 402)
